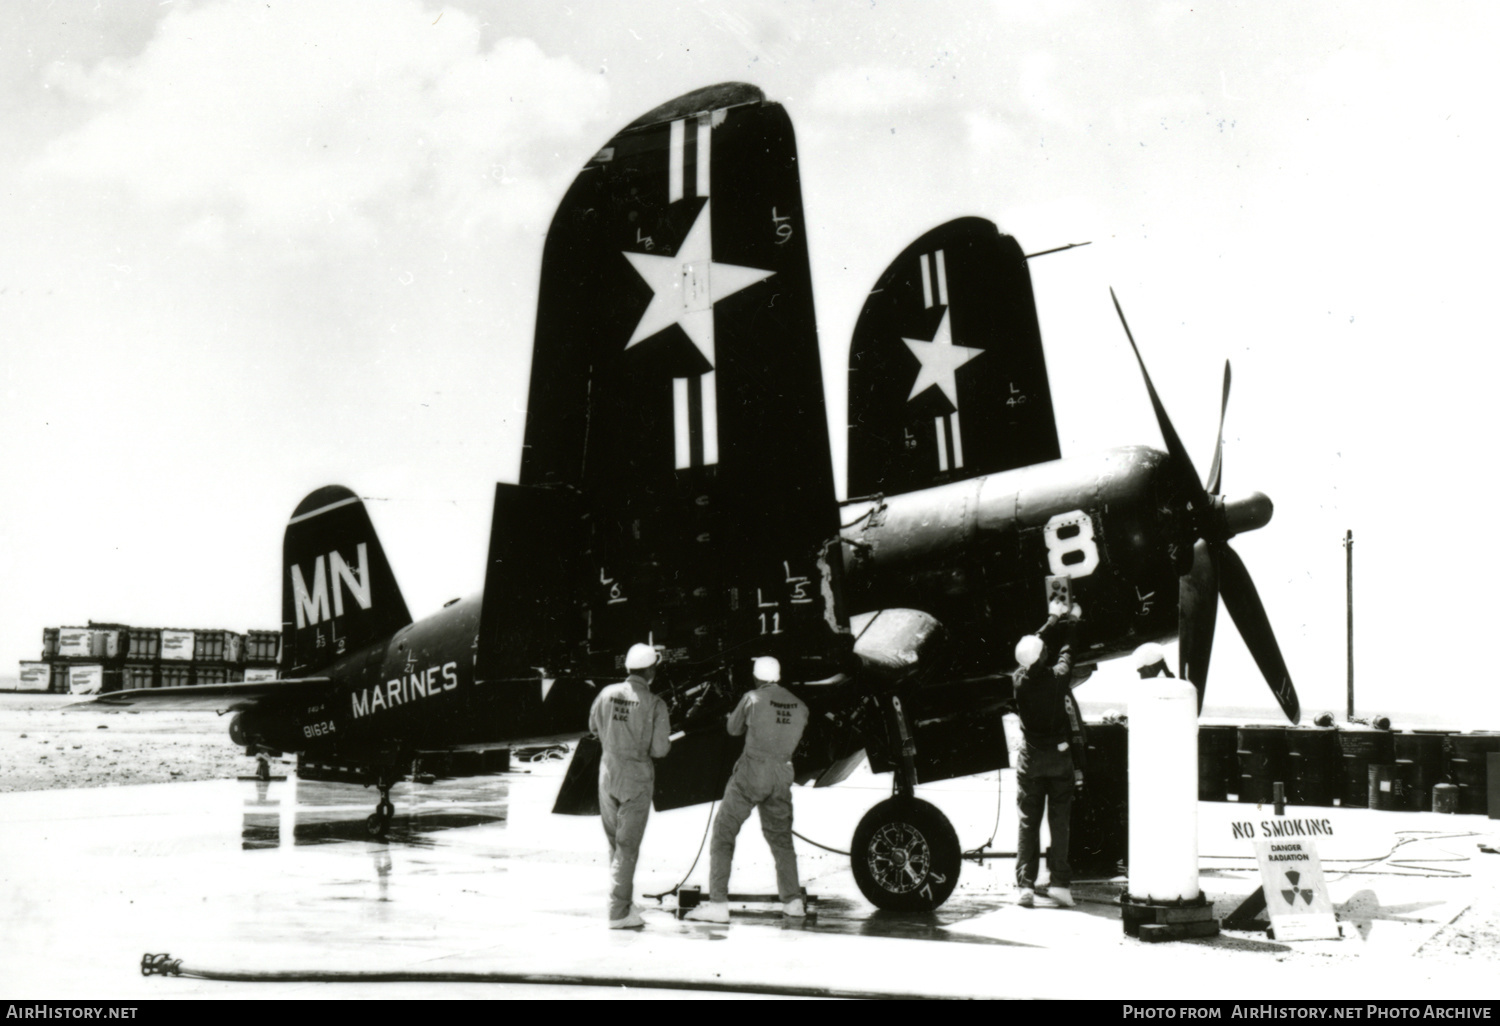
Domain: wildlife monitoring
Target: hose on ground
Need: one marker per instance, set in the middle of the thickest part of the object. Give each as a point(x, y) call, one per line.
point(1403, 867)
point(165, 965)
point(678, 886)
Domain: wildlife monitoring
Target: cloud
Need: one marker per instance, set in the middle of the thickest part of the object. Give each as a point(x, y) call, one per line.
point(872, 89)
point(317, 120)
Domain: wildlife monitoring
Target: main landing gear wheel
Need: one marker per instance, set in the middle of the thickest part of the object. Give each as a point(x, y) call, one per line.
point(905, 856)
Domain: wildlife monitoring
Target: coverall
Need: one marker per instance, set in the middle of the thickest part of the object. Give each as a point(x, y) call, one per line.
point(772, 718)
point(1053, 747)
point(631, 724)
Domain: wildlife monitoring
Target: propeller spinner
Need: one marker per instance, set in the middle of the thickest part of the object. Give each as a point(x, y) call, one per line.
point(1217, 571)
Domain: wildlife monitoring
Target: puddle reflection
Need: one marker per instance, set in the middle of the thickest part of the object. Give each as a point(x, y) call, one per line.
point(929, 926)
point(849, 918)
point(303, 812)
point(382, 857)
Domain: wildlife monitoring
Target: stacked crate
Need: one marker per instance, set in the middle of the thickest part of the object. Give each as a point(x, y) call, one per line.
point(142, 658)
point(85, 660)
point(262, 654)
point(35, 676)
point(112, 657)
point(217, 657)
point(176, 666)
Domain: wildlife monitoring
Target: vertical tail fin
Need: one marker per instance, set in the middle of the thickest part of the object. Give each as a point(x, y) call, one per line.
point(531, 617)
point(338, 593)
point(947, 380)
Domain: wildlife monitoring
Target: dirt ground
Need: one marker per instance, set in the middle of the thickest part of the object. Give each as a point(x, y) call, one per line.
point(1475, 934)
point(45, 744)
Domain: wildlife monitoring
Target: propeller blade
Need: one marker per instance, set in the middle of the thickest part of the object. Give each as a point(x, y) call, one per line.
point(1213, 471)
point(1249, 616)
point(1197, 609)
point(1180, 459)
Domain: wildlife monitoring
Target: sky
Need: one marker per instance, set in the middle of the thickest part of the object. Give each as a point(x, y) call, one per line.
point(249, 249)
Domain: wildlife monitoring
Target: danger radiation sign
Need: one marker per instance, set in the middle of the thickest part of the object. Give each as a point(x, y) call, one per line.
point(1296, 897)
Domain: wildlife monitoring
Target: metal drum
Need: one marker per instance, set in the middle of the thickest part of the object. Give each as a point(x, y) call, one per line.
point(1099, 835)
point(1263, 761)
point(1362, 746)
point(1315, 765)
point(1218, 762)
point(1467, 768)
point(1382, 786)
point(1444, 798)
point(1419, 765)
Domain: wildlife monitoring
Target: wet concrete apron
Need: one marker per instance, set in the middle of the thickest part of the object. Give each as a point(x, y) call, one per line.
point(478, 877)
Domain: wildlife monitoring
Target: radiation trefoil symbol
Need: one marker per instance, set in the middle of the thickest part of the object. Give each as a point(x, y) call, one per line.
point(1291, 895)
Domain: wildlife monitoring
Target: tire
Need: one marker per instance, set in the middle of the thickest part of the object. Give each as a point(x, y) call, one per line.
point(905, 856)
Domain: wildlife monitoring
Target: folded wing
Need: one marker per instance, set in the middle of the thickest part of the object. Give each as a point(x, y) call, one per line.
point(676, 390)
point(947, 379)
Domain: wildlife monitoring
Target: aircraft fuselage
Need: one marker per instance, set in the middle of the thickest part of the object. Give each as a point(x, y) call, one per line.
point(976, 554)
point(418, 690)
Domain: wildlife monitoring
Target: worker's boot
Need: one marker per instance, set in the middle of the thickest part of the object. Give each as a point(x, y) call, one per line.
point(630, 922)
point(1025, 897)
point(1062, 896)
point(710, 912)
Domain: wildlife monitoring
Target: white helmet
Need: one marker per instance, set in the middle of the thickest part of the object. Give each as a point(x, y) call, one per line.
point(767, 670)
point(640, 657)
point(1149, 654)
point(1029, 649)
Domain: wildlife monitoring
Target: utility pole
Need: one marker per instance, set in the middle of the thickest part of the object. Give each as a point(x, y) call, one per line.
point(1349, 598)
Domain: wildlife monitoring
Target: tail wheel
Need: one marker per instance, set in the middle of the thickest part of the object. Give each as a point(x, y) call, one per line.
point(379, 822)
point(905, 856)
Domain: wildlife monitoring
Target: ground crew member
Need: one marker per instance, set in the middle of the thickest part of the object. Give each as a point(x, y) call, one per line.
point(1151, 661)
point(772, 720)
point(631, 724)
point(1049, 767)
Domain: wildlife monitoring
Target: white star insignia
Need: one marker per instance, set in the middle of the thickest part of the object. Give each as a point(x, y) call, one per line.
point(685, 287)
point(940, 361)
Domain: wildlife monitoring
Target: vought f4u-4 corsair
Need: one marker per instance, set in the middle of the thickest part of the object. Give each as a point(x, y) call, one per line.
point(366, 693)
point(677, 488)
